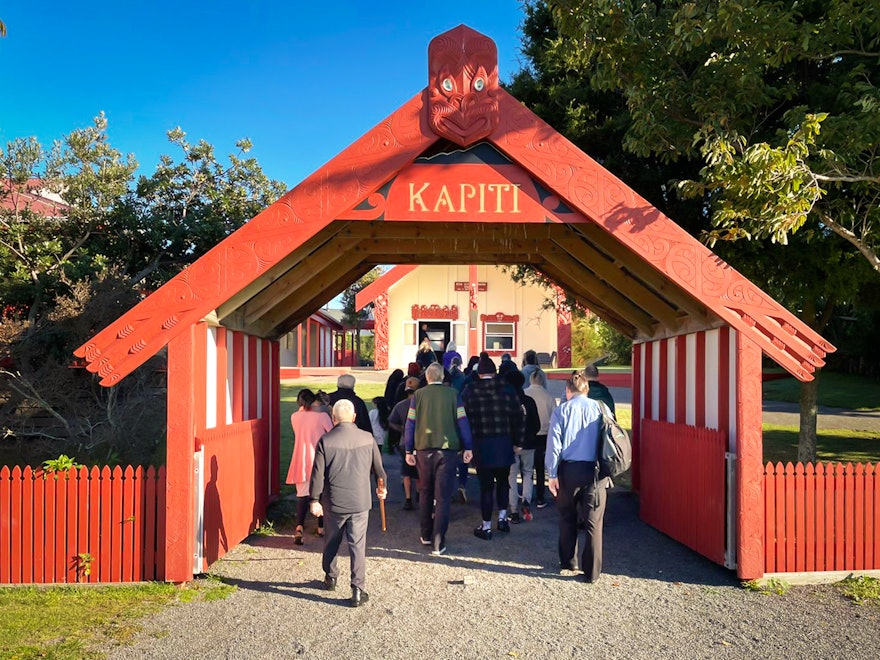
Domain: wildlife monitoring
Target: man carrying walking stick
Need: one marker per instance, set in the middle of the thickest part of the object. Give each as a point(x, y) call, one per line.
point(340, 490)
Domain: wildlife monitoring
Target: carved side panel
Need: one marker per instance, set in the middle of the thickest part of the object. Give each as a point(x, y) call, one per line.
point(563, 331)
point(258, 245)
point(749, 454)
point(604, 199)
point(380, 330)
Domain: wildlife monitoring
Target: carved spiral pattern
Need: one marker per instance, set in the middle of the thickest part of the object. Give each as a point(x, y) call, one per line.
point(380, 316)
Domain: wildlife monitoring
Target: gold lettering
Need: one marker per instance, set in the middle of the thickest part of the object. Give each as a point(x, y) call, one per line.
point(516, 198)
point(470, 194)
point(482, 198)
point(415, 197)
point(498, 188)
point(445, 199)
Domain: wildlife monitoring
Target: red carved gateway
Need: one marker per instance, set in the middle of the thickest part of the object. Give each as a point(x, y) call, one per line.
point(464, 174)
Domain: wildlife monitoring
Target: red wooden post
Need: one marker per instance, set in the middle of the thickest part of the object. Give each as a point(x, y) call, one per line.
point(137, 525)
point(72, 550)
point(749, 448)
point(27, 528)
point(769, 520)
point(872, 529)
point(180, 488)
point(810, 517)
point(859, 528)
point(39, 527)
point(61, 559)
point(151, 537)
point(15, 527)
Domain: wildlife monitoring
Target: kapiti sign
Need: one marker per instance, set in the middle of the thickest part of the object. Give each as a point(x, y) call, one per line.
point(460, 192)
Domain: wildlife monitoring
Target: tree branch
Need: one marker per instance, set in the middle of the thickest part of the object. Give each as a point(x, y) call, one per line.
point(869, 254)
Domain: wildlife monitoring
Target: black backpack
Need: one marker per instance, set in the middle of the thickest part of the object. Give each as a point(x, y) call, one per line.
point(615, 448)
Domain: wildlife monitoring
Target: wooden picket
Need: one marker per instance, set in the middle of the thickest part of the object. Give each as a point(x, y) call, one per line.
point(83, 525)
point(823, 517)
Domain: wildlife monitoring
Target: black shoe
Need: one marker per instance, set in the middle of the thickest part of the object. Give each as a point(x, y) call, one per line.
point(329, 583)
point(408, 505)
point(485, 534)
point(540, 504)
point(358, 596)
point(425, 541)
point(513, 518)
point(567, 566)
point(503, 525)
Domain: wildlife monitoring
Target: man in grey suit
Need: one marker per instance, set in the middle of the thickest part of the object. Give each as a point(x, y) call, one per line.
point(340, 491)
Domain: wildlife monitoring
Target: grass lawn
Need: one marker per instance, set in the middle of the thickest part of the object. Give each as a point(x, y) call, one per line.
point(835, 390)
point(834, 445)
point(69, 621)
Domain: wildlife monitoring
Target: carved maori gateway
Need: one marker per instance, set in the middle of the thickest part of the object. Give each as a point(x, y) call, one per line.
point(462, 173)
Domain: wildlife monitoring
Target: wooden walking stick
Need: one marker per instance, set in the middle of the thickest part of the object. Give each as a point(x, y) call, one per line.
point(381, 484)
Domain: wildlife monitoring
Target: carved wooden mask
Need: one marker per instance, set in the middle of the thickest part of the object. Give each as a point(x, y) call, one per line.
point(462, 93)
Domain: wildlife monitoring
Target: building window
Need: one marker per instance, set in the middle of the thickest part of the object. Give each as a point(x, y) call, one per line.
point(499, 337)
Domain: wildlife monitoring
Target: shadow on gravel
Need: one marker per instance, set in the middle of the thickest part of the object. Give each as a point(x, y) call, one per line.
point(632, 549)
point(300, 590)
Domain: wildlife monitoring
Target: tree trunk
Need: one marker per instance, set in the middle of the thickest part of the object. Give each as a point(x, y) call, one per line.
point(809, 410)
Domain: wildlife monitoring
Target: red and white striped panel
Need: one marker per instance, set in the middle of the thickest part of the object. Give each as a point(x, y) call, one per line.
point(234, 376)
point(689, 379)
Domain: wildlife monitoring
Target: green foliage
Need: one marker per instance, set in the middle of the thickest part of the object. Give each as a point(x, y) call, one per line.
point(770, 586)
point(61, 464)
point(354, 318)
point(593, 338)
point(266, 529)
point(780, 102)
point(862, 590)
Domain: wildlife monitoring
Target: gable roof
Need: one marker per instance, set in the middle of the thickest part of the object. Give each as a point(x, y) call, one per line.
point(370, 205)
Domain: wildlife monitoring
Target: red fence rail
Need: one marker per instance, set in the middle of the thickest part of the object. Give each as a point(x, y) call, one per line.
point(821, 518)
point(683, 489)
point(83, 525)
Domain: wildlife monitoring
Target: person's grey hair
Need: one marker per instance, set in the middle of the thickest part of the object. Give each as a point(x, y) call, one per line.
point(343, 411)
point(346, 381)
point(434, 373)
point(591, 371)
point(538, 377)
point(450, 346)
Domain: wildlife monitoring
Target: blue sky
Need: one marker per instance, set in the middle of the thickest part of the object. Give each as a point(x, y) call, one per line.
point(301, 80)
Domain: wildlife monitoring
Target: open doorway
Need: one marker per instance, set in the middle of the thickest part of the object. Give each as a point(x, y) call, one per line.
point(437, 333)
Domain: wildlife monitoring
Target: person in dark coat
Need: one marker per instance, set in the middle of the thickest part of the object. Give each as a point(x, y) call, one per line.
point(340, 491)
point(497, 425)
point(597, 390)
point(394, 379)
point(345, 390)
point(524, 462)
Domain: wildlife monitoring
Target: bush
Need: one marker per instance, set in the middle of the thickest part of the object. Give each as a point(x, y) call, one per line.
point(592, 338)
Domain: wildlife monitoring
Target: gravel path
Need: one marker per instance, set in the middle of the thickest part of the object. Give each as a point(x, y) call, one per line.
point(501, 599)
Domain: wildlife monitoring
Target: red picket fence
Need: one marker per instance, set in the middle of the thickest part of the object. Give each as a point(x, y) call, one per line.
point(683, 491)
point(821, 518)
point(84, 525)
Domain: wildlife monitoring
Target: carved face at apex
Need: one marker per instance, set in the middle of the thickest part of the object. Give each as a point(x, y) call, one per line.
point(462, 103)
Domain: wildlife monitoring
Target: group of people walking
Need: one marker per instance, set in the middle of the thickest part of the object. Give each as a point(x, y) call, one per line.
point(500, 419)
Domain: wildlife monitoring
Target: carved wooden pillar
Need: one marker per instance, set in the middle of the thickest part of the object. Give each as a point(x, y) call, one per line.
point(473, 335)
point(563, 331)
point(186, 369)
point(749, 454)
point(380, 330)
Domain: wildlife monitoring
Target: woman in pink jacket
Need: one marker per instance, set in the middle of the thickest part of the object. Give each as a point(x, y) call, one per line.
point(309, 424)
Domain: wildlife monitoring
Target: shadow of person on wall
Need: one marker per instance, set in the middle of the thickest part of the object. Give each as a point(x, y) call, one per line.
point(215, 532)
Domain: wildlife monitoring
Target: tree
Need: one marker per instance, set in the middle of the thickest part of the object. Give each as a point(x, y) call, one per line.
point(780, 100)
point(66, 274)
point(40, 255)
point(350, 316)
point(723, 92)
